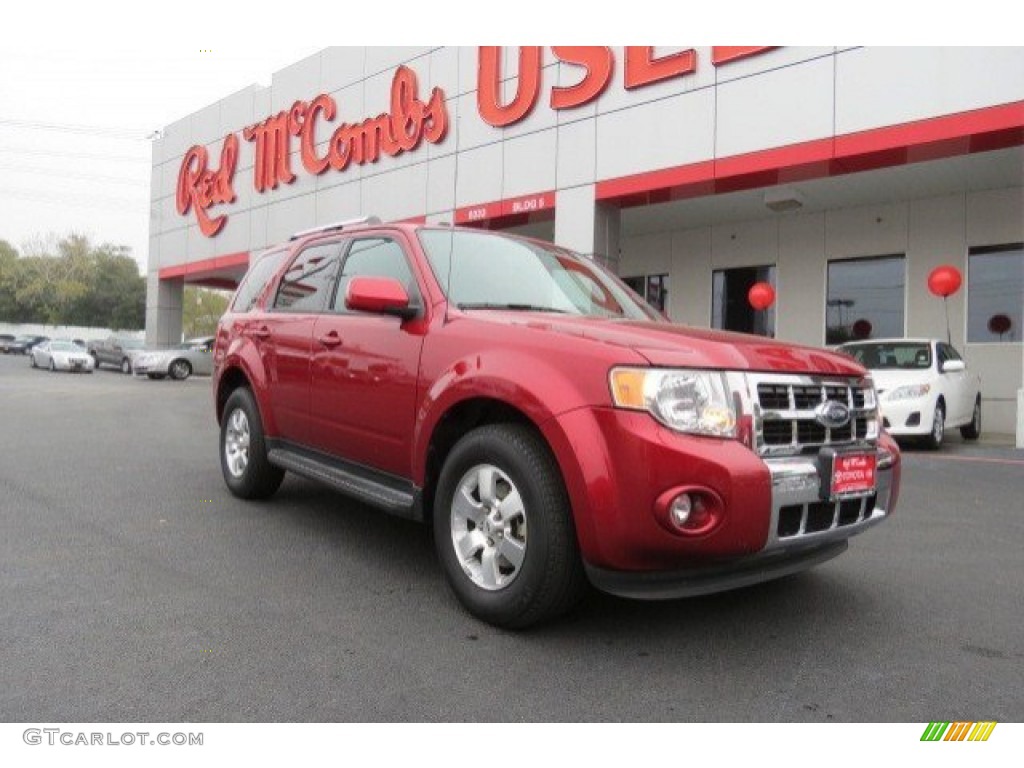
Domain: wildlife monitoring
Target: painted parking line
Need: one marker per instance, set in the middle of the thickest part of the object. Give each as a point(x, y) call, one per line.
point(978, 459)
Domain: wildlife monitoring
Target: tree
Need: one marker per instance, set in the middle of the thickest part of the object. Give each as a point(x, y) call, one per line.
point(201, 309)
point(69, 281)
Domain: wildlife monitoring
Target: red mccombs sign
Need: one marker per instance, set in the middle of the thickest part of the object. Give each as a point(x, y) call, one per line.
point(411, 121)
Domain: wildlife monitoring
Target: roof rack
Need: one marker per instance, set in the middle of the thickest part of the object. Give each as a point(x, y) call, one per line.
point(337, 225)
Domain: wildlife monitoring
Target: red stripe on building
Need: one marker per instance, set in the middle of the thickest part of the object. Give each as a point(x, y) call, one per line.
point(197, 270)
point(963, 133)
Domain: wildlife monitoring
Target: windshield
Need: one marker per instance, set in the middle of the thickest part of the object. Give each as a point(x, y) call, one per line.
point(890, 356)
point(501, 272)
point(63, 346)
point(131, 343)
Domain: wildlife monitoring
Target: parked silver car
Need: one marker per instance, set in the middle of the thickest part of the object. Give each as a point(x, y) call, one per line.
point(61, 355)
point(194, 356)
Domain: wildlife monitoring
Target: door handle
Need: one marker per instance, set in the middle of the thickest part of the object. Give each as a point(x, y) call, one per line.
point(260, 333)
point(331, 339)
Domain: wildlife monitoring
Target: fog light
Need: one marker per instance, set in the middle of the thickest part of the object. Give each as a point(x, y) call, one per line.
point(680, 509)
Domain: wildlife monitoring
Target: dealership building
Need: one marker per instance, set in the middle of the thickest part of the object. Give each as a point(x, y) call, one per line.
point(843, 177)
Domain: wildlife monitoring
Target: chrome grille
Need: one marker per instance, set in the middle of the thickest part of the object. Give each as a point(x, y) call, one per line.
point(787, 424)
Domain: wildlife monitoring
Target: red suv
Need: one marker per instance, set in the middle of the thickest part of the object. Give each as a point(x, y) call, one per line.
point(551, 427)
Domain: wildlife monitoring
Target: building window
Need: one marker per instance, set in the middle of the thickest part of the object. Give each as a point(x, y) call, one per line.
point(730, 307)
point(652, 288)
point(995, 293)
point(865, 299)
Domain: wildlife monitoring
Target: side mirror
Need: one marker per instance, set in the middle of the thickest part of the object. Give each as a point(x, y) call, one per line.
point(953, 366)
point(381, 295)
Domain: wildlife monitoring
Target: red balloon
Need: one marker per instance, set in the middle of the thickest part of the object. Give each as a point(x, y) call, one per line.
point(862, 329)
point(999, 324)
point(761, 295)
point(945, 280)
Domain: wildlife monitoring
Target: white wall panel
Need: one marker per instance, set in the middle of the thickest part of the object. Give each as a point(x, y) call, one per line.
point(745, 244)
point(886, 86)
point(781, 107)
point(198, 246)
point(470, 129)
point(338, 203)
point(258, 216)
point(441, 186)
point(657, 135)
point(689, 290)
point(873, 230)
point(286, 217)
point(529, 163)
point(800, 279)
point(646, 255)
point(936, 230)
point(234, 238)
point(396, 195)
point(341, 66)
point(479, 176)
point(542, 116)
point(577, 157)
point(996, 216)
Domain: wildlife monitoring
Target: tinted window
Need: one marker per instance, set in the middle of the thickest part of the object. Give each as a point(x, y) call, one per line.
point(995, 293)
point(374, 257)
point(256, 280)
point(307, 283)
point(865, 299)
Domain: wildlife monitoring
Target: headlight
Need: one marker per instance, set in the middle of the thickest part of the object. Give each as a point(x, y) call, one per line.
point(909, 392)
point(695, 402)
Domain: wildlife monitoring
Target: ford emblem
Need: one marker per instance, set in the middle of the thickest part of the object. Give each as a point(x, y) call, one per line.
point(832, 414)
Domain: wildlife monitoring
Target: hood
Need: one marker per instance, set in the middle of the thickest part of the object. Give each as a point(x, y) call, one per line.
point(668, 344)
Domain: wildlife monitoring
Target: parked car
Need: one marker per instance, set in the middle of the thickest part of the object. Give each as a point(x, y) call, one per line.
point(924, 387)
point(22, 344)
point(117, 351)
point(5, 339)
point(552, 427)
point(194, 356)
point(61, 355)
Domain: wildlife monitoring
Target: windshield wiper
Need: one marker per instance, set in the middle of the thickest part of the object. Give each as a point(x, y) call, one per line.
point(517, 307)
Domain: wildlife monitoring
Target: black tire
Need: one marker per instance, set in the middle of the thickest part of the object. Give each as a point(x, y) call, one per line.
point(935, 437)
point(972, 431)
point(258, 479)
point(155, 376)
point(550, 579)
point(53, 368)
point(31, 361)
point(95, 363)
point(179, 369)
point(126, 366)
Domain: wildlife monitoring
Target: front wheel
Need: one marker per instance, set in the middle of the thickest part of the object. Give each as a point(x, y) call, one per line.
point(180, 370)
point(126, 366)
point(972, 431)
point(934, 439)
point(243, 450)
point(503, 528)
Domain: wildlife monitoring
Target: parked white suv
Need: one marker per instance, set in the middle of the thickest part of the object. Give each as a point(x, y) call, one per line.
point(923, 387)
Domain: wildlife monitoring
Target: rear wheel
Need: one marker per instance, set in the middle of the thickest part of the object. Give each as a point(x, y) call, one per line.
point(972, 431)
point(503, 528)
point(934, 439)
point(126, 365)
point(53, 368)
point(243, 451)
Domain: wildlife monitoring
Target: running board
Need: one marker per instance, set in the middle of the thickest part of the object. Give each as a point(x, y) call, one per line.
point(386, 492)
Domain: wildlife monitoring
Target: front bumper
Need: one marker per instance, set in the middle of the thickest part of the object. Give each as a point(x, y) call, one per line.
point(79, 365)
point(908, 418)
point(773, 518)
point(146, 367)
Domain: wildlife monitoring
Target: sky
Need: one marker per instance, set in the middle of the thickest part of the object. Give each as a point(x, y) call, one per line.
point(84, 86)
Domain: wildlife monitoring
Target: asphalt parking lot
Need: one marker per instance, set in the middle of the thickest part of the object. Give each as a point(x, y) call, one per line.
point(137, 589)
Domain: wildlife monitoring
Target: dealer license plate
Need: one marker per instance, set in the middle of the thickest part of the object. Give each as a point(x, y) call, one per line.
point(853, 474)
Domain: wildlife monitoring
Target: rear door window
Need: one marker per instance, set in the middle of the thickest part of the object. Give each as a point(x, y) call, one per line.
point(307, 284)
point(261, 273)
